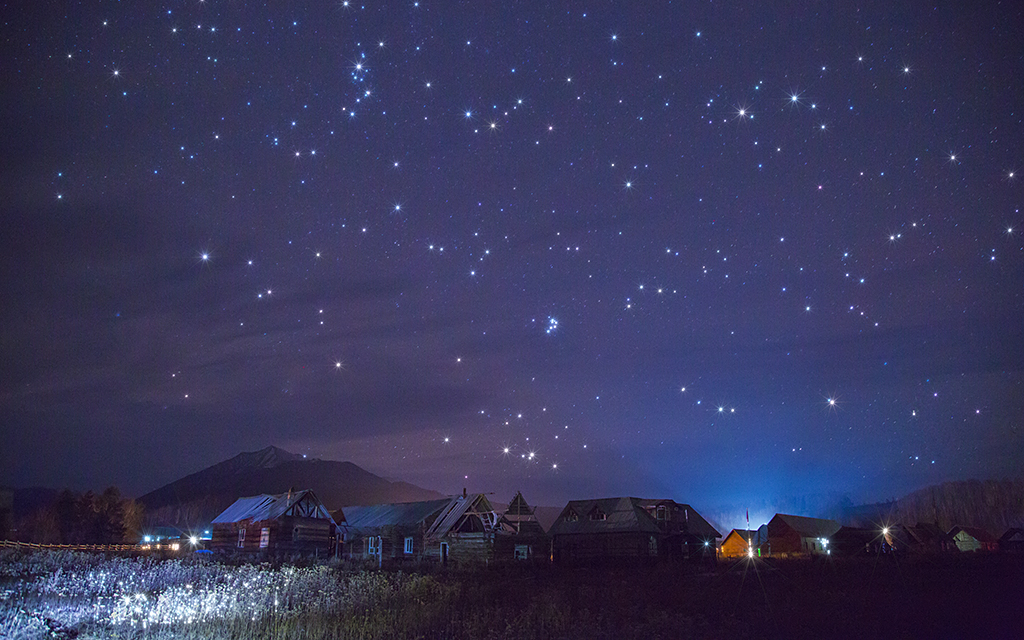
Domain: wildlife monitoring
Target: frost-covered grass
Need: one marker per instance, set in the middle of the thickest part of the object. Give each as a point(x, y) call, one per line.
point(66, 595)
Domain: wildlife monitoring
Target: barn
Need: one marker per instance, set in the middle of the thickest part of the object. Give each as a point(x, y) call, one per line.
point(790, 535)
point(295, 522)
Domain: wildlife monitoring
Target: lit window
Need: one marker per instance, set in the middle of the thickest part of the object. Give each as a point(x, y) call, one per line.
point(241, 538)
point(408, 545)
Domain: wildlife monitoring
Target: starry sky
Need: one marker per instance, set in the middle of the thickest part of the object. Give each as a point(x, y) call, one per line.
point(713, 251)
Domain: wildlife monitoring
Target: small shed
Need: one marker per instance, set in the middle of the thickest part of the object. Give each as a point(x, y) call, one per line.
point(1012, 541)
point(790, 535)
point(740, 543)
point(289, 523)
point(973, 539)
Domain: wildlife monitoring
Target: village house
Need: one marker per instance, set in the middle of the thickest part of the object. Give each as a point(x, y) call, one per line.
point(857, 541)
point(790, 535)
point(520, 535)
point(745, 543)
point(295, 522)
point(631, 528)
point(687, 534)
point(390, 531)
point(924, 537)
point(1012, 541)
point(464, 529)
point(464, 532)
point(973, 539)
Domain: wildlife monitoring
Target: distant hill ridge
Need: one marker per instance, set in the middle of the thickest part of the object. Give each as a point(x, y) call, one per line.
point(993, 505)
point(197, 498)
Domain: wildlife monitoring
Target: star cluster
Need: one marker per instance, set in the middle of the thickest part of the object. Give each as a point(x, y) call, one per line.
point(579, 249)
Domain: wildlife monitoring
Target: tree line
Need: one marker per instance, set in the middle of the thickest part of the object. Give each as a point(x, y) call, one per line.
point(84, 518)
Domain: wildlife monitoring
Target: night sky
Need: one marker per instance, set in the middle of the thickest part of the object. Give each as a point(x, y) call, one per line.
point(709, 251)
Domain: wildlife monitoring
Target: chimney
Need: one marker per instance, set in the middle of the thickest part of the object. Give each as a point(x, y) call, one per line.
point(463, 493)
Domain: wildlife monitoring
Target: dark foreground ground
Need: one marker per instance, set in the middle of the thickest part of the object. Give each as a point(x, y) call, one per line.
point(76, 596)
point(975, 596)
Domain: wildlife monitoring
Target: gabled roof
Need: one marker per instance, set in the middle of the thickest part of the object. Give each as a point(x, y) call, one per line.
point(683, 516)
point(856, 535)
point(520, 518)
point(271, 507)
point(1012, 535)
point(929, 532)
point(453, 514)
point(620, 515)
point(518, 506)
point(978, 534)
point(403, 514)
point(755, 536)
point(808, 527)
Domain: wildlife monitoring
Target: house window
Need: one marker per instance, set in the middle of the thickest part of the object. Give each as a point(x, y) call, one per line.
point(241, 538)
point(662, 512)
point(652, 546)
point(264, 537)
point(408, 545)
point(522, 552)
point(572, 516)
point(371, 546)
point(597, 514)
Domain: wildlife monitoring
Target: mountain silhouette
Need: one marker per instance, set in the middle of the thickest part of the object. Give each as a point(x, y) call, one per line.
point(196, 499)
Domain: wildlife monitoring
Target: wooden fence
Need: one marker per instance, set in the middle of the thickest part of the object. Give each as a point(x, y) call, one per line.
point(13, 544)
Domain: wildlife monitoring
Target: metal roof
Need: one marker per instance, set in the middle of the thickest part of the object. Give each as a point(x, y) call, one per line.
point(808, 527)
point(361, 519)
point(269, 507)
point(692, 523)
point(977, 533)
point(620, 515)
point(757, 537)
point(459, 507)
